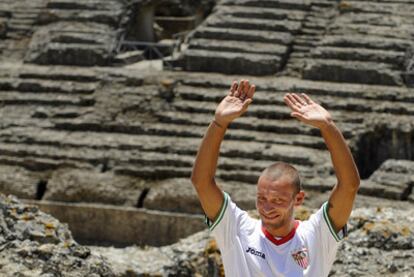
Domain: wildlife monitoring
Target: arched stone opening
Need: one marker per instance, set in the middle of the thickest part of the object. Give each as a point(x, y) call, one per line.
point(141, 25)
point(157, 28)
point(382, 142)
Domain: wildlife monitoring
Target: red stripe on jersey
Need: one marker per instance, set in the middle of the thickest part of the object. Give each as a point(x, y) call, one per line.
point(286, 238)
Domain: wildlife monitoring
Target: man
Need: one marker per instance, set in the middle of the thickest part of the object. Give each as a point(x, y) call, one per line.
point(275, 245)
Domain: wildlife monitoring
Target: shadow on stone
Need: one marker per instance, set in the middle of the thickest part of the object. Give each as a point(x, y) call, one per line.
point(382, 142)
point(41, 189)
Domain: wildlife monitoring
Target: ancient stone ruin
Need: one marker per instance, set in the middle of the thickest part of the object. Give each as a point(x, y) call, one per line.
point(103, 105)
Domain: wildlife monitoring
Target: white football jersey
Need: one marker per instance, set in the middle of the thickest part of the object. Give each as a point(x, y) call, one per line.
point(248, 250)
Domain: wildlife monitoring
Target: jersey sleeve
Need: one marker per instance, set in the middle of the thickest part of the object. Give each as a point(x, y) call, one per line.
point(229, 222)
point(327, 239)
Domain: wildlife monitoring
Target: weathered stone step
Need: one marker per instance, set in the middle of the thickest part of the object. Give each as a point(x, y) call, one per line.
point(365, 41)
point(375, 92)
point(394, 58)
point(63, 53)
point(243, 35)
point(178, 195)
point(46, 86)
point(262, 111)
point(235, 166)
point(26, 8)
point(20, 22)
point(298, 56)
point(11, 37)
point(231, 63)
point(87, 155)
point(18, 28)
point(150, 154)
point(225, 21)
point(110, 17)
point(373, 19)
point(41, 164)
point(403, 32)
point(389, 1)
point(95, 156)
point(111, 141)
point(311, 32)
point(301, 48)
point(153, 173)
point(352, 72)
point(403, 9)
point(129, 57)
point(348, 120)
point(282, 4)
point(321, 16)
point(249, 128)
point(26, 15)
point(319, 9)
point(317, 13)
point(394, 177)
point(323, 3)
point(269, 113)
point(157, 129)
point(305, 42)
point(320, 25)
point(57, 75)
point(256, 12)
point(229, 175)
point(13, 98)
point(79, 38)
point(36, 111)
point(238, 46)
point(85, 5)
point(358, 103)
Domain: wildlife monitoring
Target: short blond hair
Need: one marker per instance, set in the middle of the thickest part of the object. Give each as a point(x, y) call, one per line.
point(281, 169)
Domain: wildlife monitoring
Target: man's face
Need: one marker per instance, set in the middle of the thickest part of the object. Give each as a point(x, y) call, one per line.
point(275, 202)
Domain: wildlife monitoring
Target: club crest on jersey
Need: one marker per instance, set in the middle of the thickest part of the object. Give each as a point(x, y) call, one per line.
point(301, 257)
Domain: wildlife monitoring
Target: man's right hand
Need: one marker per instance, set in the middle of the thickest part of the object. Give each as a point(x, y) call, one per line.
point(235, 103)
point(204, 170)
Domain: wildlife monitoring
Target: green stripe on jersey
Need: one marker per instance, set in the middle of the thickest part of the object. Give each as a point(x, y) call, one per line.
point(222, 210)
point(328, 221)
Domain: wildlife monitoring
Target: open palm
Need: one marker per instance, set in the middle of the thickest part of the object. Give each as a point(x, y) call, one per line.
point(235, 103)
point(306, 110)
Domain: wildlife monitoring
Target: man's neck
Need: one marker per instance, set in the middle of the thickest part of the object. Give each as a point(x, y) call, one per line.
point(282, 231)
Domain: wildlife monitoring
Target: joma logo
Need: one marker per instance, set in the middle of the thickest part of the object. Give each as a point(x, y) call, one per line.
point(255, 252)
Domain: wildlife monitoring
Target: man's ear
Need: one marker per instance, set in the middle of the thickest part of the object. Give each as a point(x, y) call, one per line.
point(299, 198)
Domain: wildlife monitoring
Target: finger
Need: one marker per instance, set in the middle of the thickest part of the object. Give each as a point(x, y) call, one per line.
point(246, 89)
point(239, 89)
point(299, 99)
point(233, 88)
point(291, 104)
point(251, 92)
point(293, 99)
point(307, 98)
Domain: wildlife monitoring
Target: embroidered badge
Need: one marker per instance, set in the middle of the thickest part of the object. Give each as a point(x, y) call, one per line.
point(301, 257)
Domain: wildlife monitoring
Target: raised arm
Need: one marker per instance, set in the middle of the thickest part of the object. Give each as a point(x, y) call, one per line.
point(231, 107)
point(343, 194)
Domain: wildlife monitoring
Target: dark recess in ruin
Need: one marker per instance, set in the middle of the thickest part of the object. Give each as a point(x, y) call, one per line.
point(163, 23)
point(381, 143)
point(103, 167)
point(41, 189)
point(141, 198)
